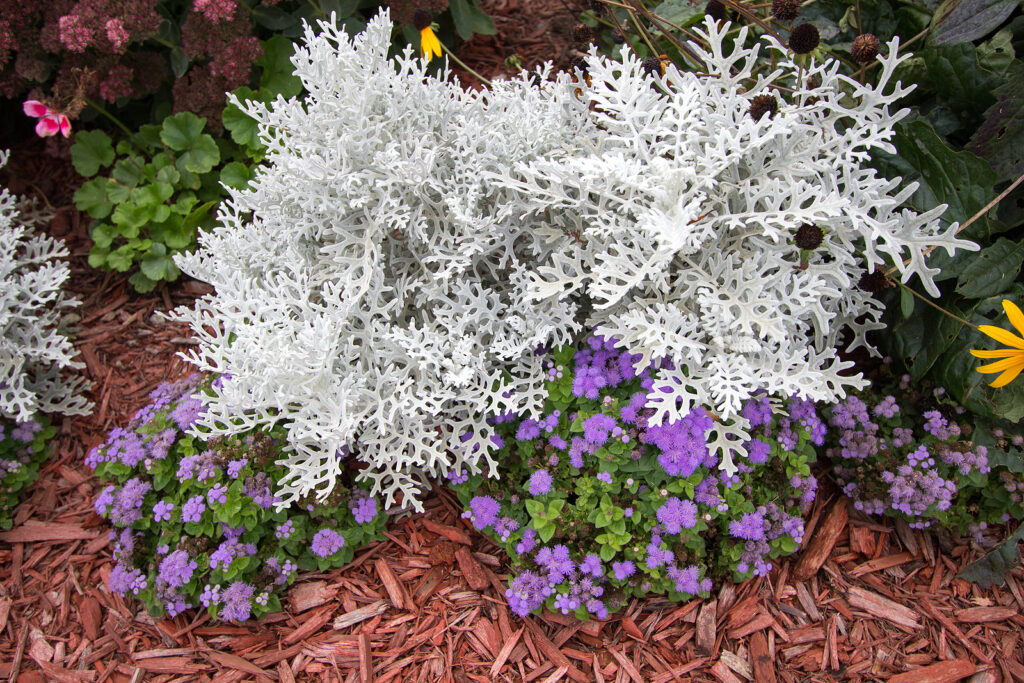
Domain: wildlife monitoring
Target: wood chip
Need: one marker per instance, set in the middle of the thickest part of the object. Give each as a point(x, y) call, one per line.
point(758, 623)
point(449, 532)
point(360, 615)
point(706, 627)
point(230, 661)
point(814, 555)
point(309, 594)
point(761, 660)
point(981, 615)
point(626, 665)
point(34, 532)
point(944, 672)
point(722, 673)
point(471, 569)
point(880, 563)
point(883, 608)
point(365, 659)
point(394, 588)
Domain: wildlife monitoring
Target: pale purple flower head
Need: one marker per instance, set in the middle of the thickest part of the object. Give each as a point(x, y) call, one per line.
point(218, 494)
point(237, 600)
point(540, 483)
point(676, 514)
point(326, 542)
point(176, 569)
point(193, 509)
point(483, 511)
point(162, 511)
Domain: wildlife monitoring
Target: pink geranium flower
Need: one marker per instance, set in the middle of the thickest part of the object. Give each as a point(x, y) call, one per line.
point(50, 121)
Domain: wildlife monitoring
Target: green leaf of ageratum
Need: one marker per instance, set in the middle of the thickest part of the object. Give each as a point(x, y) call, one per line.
point(992, 568)
point(961, 21)
point(992, 271)
point(470, 19)
point(546, 532)
point(92, 150)
point(535, 508)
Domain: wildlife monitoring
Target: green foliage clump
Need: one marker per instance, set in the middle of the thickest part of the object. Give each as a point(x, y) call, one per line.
point(195, 520)
point(24, 447)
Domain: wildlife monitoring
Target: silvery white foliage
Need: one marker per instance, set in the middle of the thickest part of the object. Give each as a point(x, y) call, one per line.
point(685, 210)
point(369, 285)
point(32, 351)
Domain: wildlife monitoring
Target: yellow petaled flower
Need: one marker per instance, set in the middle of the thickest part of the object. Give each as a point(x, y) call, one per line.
point(1012, 358)
point(429, 44)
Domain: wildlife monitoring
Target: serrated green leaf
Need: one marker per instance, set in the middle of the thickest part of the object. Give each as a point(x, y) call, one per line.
point(91, 151)
point(141, 283)
point(961, 21)
point(121, 258)
point(182, 131)
point(992, 271)
point(103, 234)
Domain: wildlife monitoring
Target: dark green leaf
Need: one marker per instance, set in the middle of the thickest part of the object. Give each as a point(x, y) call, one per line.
point(179, 61)
point(196, 216)
point(141, 283)
point(278, 76)
point(202, 155)
point(470, 19)
point(1000, 138)
point(906, 303)
point(274, 18)
point(961, 21)
point(992, 271)
point(103, 235)
point(992, 568)
point(92, 150)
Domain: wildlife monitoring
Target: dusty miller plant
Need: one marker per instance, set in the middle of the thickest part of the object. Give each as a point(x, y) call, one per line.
point(387, 276)
point(33, 352)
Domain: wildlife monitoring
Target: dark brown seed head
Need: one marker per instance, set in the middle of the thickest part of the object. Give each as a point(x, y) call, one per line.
point(785, 10)
point(809, 236)
point(804, 38)
point(597, 7)
point(763, 104)
point(583, 34)
point(715, 10)
point(873, 282)
point(651, 66)
point(421, 19)
point(865, 48)
point(578, 64)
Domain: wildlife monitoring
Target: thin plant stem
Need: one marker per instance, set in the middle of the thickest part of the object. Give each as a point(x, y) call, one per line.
point(461, 63)
point(981, 212)
point(934, 305)
point(113, 119)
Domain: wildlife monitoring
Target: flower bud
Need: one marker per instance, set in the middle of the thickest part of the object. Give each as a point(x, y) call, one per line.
point(785, 10)
point(763, 104)
point(809, 236)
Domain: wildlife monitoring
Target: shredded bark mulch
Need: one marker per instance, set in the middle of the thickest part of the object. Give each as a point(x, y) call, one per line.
point(863, 601)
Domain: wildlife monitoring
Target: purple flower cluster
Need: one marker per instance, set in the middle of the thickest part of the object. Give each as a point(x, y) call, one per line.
point(176, 569)
point(326, 542)
point(363, 507)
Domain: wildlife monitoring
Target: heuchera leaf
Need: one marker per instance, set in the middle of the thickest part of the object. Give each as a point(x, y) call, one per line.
point(992, 568)
point(961, 21)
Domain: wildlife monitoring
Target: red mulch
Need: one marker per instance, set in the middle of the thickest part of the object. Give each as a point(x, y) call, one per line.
point(863, 601)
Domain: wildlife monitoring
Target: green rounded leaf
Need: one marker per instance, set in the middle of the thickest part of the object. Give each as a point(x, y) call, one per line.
point(91, 151)
point(91, 197)
point(181, 131)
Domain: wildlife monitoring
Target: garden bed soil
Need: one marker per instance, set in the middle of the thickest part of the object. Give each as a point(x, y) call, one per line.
point(863, 601)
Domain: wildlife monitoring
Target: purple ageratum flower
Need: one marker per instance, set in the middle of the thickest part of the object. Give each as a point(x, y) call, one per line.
point(758, 451)
point(676, 515)
point(758, 411)
point(237, 600)
point(104, 500)
point(606, 477)
point(187, 412)
point(460, 477)
point(527, 543)
point(623, 570)
point(750, 527)
point(193, 509)
point(326, 542)
point(259, 488)
point(483, 511)
point(558, 442)
point(527, 592)
point(127, 507)
point(176, 569)
point(160, 444)
point(630, 412)
point(504, 527)
point(686, 580)
point(187, 467)
point(591, 565)
point(539, 483)
point(218, 494)
point(25, 432)
point(235, 467)
point(210, 595)
point(363, 508)
point(528, 430)
point(597, 428)
point(124, 580)
point(162, 511)
point(284, 531)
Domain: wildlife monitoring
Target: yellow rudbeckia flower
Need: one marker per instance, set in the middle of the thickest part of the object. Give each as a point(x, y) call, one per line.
point(430, 46)
point(1012, 358)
